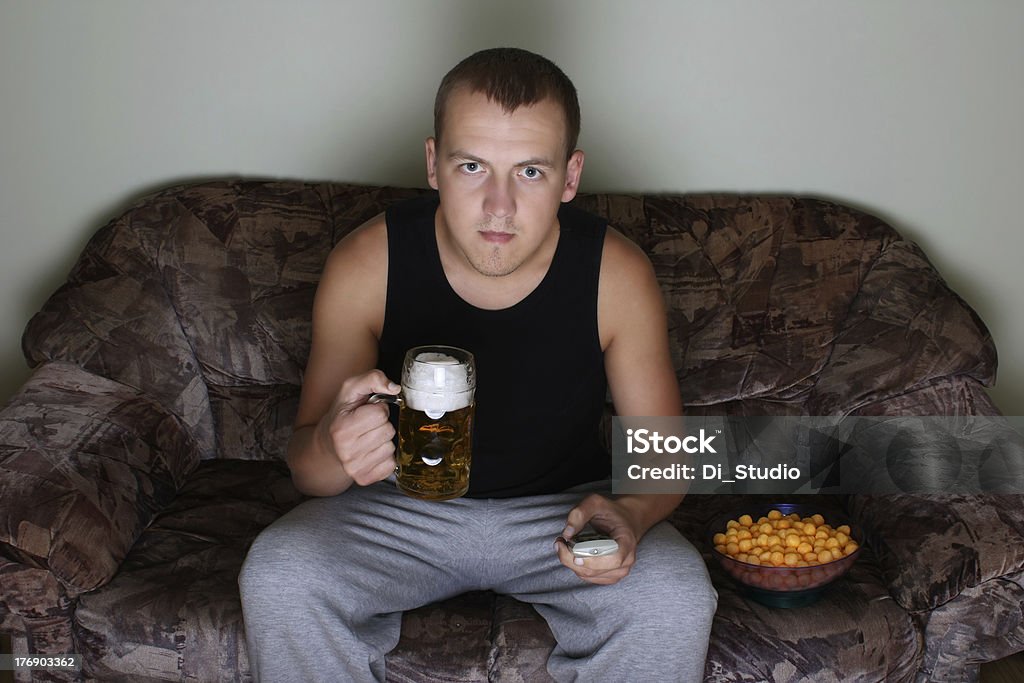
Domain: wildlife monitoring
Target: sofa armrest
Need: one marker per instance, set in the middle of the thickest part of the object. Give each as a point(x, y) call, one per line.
point(905, 328)
point(934, 546)
point(85, 464)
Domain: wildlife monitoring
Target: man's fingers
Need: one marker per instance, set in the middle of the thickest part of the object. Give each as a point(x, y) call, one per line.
point(369, 417)
point(364, 423)
point(386, 467)
point(356, 389)
point(378, 464)
point(580, 515)
point(362, 441)
point(604, 572)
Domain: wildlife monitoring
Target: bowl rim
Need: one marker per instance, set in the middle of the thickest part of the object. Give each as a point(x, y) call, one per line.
point(856, 534)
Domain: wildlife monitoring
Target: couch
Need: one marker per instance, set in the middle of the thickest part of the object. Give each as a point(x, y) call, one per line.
point(144, 453)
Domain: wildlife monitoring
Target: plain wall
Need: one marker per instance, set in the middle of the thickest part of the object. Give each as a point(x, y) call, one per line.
point(911, 110)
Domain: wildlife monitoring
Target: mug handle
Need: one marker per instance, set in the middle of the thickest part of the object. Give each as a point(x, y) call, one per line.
point(393, 399)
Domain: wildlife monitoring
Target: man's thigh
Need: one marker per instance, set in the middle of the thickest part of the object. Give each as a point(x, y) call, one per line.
point(669, 577)
point(396, 553)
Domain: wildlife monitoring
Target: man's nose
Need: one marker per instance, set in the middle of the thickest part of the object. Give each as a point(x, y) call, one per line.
point(499, 200)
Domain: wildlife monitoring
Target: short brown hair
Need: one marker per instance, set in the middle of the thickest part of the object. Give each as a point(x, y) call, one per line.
point(512, 78)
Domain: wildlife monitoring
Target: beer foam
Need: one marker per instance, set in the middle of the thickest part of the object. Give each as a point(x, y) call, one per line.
point(436, 384)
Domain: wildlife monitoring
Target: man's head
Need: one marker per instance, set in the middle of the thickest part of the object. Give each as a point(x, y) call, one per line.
point(499, 160)
point(512, 78)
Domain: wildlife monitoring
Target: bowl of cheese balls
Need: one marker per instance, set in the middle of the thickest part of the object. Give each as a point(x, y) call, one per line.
point(784, 554)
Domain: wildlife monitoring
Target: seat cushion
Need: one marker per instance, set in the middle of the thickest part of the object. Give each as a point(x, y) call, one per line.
point(446, 642)
point(172, 612)
point(856, 631)
point(934, 547)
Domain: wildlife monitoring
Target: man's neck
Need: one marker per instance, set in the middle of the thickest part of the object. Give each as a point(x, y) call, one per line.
point(493, 292)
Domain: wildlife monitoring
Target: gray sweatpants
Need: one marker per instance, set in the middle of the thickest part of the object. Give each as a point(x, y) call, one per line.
point(324, 587)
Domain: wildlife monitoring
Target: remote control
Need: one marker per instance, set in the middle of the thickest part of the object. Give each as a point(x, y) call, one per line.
point(591, 543)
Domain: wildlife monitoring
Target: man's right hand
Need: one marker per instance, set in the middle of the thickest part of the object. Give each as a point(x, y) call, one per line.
point(359, 434)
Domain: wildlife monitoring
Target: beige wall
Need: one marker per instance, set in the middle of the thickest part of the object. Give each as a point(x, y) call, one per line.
point(909, 109)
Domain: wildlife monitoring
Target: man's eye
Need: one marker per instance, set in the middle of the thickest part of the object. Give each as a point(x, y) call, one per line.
point(470, 167)
point(531, 172)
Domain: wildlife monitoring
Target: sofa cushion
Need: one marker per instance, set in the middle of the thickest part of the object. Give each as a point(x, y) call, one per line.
point(934, 547)
point(795, 300)
point(520, 644)
point(904, 329)
point(113, 317)
point(982, 624)
point(446, 642)
point(957, 395)
point(87, 462)
point(855, 631)
point(240, 261)
point(756, 286)
point(173, 610)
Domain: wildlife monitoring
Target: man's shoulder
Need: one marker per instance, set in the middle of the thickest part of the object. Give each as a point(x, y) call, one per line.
point(623, 259)
point(352, 289)
point(359, 261)
point(364, 244)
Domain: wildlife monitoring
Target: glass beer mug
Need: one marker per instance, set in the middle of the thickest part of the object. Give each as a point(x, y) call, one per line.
point(435, 421)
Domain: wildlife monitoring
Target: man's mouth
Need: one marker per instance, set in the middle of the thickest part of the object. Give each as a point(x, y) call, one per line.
point(496, 237)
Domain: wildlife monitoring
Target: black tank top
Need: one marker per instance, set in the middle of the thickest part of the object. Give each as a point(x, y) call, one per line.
point(541, 383)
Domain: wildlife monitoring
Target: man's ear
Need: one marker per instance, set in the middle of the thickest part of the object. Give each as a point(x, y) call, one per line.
point(431, 151)
point(573, 171)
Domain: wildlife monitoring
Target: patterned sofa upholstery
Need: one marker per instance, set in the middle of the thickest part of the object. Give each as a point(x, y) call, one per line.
point(144, 454)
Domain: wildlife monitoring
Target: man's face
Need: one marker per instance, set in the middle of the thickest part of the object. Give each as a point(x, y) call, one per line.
point(501, 178)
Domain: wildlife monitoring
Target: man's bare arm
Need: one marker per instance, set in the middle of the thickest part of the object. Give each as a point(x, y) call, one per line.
point(641, 376)
point(338, 439)
point(642, 381)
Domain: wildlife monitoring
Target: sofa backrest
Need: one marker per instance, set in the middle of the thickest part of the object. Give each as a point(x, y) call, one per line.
point(793, 305)
point(201, 296)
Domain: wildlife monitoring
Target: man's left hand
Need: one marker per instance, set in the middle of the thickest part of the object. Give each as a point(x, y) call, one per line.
point(608, 517)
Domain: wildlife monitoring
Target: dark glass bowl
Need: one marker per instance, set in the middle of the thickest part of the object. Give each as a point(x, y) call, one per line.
point(785, 586)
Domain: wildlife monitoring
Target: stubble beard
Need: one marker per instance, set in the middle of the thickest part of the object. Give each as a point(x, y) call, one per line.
point(495, 263)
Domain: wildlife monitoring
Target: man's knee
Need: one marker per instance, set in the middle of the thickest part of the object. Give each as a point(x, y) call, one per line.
point(695, 600)
point(676, 584)
point(679, 598)
point(265, 566)
point(291, 568)
point(279, 567)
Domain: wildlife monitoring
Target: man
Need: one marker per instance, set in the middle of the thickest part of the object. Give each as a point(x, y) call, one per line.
point(556, 308)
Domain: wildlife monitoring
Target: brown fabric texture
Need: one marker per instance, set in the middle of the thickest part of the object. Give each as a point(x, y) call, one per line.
point(105, 459)
point(173, 609)
point(983, 623)
point(145, 453)
point(35, 608)
point(869, 636)
point(856, 632)
point(797, 300)
point(932, 548)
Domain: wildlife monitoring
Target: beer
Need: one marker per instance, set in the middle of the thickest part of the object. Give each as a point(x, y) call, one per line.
point(434, 454)
point(435, 422)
